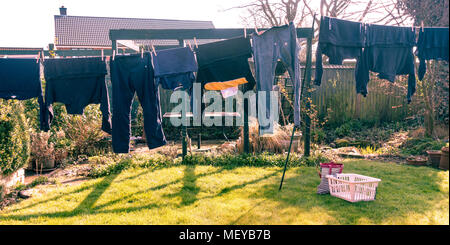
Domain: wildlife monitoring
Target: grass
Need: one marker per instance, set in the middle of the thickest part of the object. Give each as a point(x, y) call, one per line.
point(190, 194)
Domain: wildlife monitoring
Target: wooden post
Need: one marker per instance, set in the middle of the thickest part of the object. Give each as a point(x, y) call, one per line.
point(246, 131)
point(199, 139)
point(307, 93)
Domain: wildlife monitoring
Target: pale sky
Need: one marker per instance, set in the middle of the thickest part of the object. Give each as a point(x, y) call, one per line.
point(30, 23)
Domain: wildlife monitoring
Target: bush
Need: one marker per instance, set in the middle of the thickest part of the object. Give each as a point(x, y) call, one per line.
point(420, 146)
point(14, 137)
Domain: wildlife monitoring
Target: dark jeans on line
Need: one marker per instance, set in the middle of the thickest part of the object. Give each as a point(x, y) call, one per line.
point(129, 75)
point(77, 82)
point(277, 43)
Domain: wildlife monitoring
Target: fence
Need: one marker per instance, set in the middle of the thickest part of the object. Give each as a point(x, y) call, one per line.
point(336, 99)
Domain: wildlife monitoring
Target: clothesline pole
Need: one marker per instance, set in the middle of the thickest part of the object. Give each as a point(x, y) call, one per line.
point(306, 91)
point(287, 158)
point(306, 82)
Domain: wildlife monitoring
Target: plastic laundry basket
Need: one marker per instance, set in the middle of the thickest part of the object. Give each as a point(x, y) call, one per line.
point(353, 187)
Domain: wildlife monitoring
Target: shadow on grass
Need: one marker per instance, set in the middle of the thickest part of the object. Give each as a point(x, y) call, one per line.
point(403, 191)
point(188, 194)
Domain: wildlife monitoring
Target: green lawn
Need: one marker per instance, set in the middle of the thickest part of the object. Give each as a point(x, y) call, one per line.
point(238, 195)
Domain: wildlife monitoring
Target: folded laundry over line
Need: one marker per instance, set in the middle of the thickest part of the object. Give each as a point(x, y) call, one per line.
point(174, 68)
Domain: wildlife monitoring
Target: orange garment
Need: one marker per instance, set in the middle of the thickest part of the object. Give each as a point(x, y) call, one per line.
point(225, 85)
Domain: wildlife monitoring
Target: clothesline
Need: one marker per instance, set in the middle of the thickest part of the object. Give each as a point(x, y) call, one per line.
point(77, 83)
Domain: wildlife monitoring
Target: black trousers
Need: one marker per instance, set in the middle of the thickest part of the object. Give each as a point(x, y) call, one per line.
point(129, 75)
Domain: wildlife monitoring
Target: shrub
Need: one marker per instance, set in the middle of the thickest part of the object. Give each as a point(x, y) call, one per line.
point(41, 149)
point(419, 146)
point(84, 132)
point(14, 137)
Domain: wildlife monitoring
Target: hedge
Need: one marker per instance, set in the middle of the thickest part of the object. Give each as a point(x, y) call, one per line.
point(14, 137)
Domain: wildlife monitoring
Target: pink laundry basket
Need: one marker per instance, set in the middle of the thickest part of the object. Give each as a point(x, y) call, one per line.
point(353, 187)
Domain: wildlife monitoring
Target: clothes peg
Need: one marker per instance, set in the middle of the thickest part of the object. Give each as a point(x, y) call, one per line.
point(189, 44)
point(154, 50)
point(142, 53)
point(43, 56)
point(245, 33)
point(114, 54)
point(421, 25)
point(195, 41)
point(38, 57)
point(102, 55)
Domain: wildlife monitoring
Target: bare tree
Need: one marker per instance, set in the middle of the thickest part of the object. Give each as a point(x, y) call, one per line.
point(268, 13)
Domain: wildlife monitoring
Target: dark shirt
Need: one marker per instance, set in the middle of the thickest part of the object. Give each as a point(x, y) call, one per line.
point(77, 82)
point(174, 68)
point(224, 61)
point(20, 79)
point(339, 40)
point(388, 52)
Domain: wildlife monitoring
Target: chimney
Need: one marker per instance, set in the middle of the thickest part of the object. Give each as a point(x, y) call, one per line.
point(63, 11)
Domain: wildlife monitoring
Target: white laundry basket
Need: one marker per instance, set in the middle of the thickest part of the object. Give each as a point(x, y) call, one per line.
point(353, 187)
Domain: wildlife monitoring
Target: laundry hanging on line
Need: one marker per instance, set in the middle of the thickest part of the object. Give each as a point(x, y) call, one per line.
point(339, 40)
point(225, 61)
point(432, 44)
point(132, 74)
point(221, 65)
point(20, 79)
point(175, 68)
point(77, 82)
point(388, 52)
point(277, 43)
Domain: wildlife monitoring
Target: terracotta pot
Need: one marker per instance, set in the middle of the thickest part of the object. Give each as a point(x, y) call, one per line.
point(444, 159)
point(417, 162)
point(434, 158)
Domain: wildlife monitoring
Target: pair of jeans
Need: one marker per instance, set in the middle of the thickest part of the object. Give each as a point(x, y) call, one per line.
point(389, 52)
point(225, 61)
point(132, 74)
point(277, 43)
point(175, 68)
point(432, 44)
point(20, 79)
point(77, 82)
point(339, 40)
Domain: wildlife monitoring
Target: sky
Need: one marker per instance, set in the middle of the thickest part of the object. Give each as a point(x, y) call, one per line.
point(30, 23)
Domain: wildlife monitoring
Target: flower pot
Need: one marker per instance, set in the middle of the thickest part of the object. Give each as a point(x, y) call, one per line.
point(417, 161)
point(443, 164)
point(45, 164)
point(434, 158)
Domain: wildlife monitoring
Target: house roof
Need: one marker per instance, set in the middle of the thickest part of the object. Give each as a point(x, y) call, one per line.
point(94, 31)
